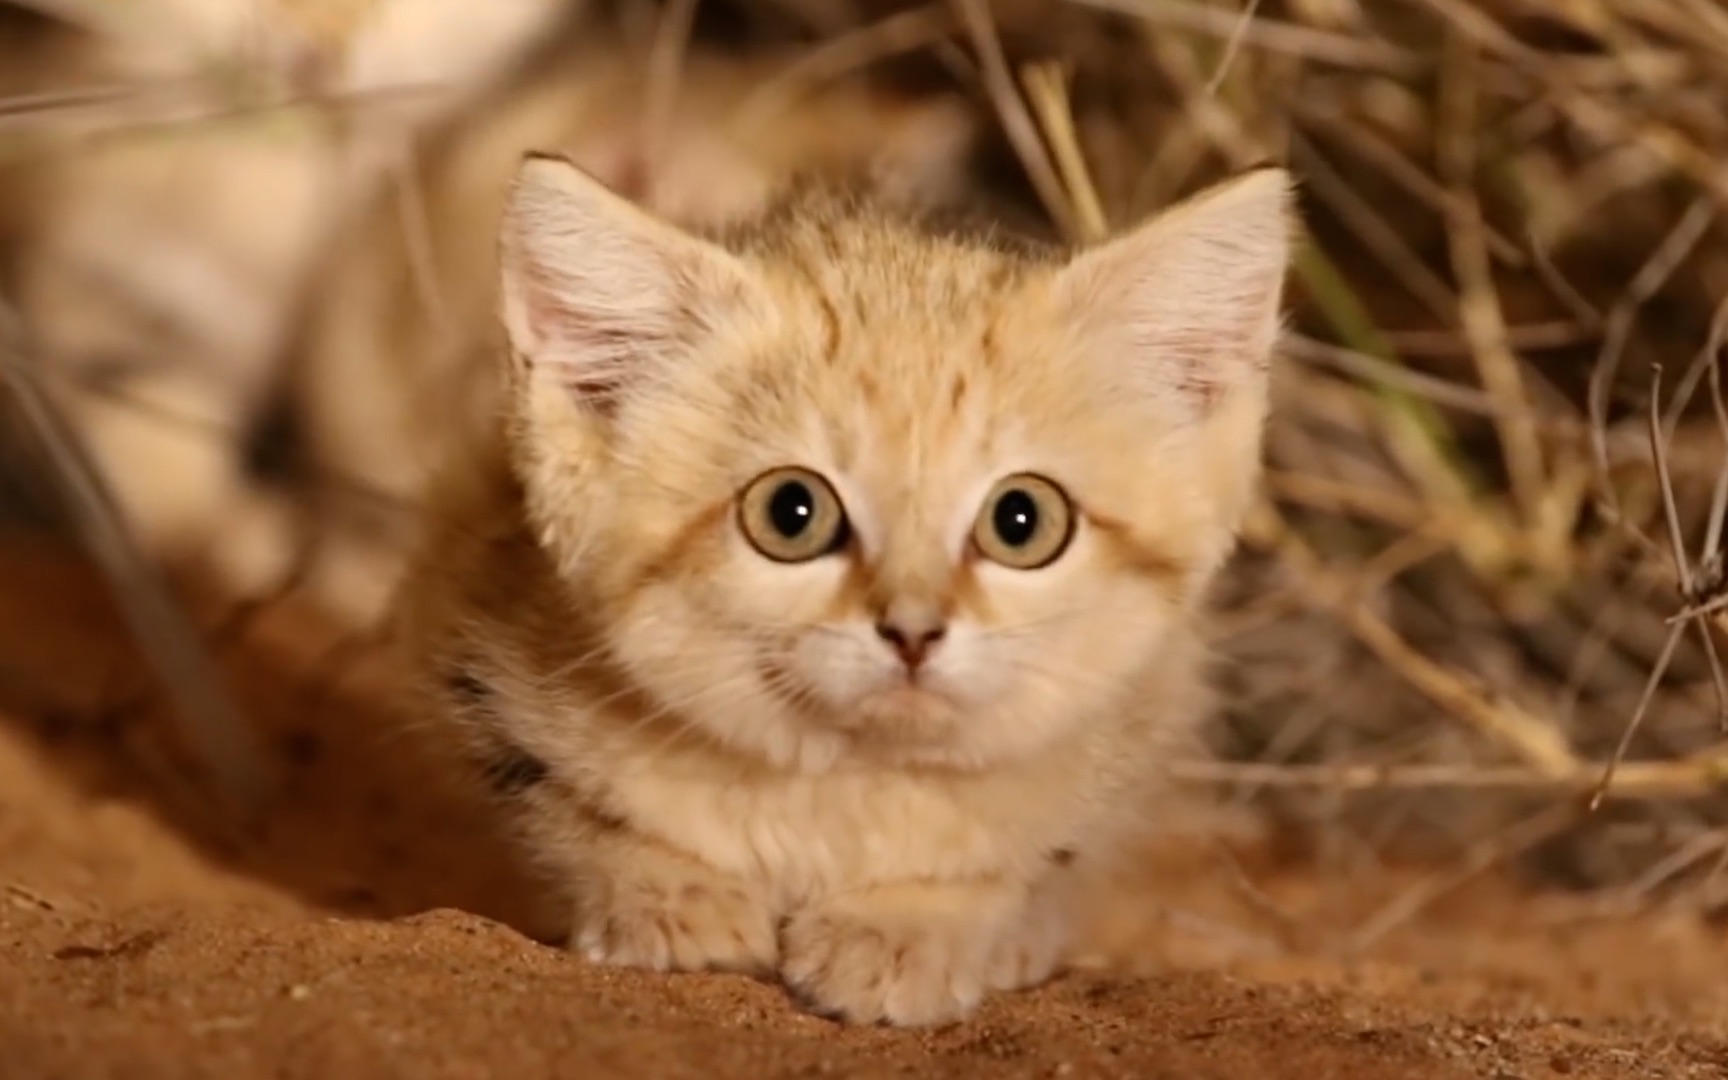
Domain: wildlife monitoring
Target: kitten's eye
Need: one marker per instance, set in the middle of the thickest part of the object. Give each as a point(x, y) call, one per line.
point(1026, 523)
point(792, 515)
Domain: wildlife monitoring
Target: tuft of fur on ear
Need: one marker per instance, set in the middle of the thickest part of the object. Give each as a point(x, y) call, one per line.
point(594, 289)
point(1189, 304)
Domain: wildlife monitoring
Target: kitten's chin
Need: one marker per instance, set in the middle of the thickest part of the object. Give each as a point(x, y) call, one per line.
point(907, 723)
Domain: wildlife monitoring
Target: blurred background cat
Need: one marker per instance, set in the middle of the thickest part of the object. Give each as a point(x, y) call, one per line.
point(175, 171)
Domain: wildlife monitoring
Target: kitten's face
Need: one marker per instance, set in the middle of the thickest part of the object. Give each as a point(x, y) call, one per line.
point(893, 499)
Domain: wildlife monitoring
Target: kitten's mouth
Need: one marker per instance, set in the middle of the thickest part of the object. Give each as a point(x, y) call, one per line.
point(910, 693)
point(907, 713)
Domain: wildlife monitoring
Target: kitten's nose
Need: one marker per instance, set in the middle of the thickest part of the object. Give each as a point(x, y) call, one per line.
point(912, 638)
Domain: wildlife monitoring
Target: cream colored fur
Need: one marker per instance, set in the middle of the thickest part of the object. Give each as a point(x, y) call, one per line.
point(714, 754)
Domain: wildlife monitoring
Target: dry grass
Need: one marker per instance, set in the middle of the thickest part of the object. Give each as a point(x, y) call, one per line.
point(1480, 609)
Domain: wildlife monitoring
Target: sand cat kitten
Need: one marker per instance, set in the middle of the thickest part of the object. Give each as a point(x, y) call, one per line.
point(830, 595)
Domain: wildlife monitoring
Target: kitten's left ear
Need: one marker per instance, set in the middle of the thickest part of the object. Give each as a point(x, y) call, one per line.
point(1188, 305)
point(595, 291)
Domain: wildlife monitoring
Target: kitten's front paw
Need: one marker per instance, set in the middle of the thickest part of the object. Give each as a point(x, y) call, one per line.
point(900, 972)
point(667, 913)
point(900, 957)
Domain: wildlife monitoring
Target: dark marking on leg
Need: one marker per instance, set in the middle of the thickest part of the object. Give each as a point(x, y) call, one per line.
point(1062, 856)
point(466, 688)
point(511, 770)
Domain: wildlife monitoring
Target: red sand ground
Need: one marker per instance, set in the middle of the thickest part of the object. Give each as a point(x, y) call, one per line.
point(367, 931)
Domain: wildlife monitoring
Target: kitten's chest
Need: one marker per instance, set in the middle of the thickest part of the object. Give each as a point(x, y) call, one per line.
point(807, 834)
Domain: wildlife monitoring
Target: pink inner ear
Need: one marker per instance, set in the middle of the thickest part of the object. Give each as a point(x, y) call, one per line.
point(568, 340)
point(1204, 362)
point(584, 346)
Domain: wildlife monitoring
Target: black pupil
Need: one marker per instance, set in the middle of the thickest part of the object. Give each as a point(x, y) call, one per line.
point(792, 508)
point(1015, 518)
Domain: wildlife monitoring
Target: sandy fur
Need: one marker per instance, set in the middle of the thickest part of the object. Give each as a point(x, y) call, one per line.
point(713, 752)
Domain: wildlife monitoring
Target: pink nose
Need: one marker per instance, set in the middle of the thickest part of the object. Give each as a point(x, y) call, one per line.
point(913, 643)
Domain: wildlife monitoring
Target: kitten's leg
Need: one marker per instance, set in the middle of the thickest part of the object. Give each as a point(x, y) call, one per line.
point(628, 899)
point(641, 904)
point(1040, 942)
point(919, 953)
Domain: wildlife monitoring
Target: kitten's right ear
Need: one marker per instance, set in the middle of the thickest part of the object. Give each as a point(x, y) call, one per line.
point(594, 290)
point(1186, 308)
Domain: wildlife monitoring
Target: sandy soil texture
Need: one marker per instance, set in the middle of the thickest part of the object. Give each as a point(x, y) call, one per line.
point(373, 927)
